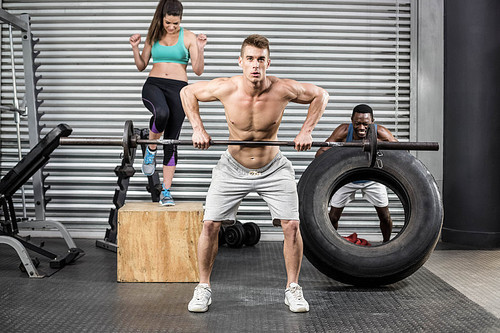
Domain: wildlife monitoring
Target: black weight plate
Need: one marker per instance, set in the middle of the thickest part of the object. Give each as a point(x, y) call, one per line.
point(222, 240)
point(128, 132)
point(234, 236)
point(252, 233)
point(372, 138)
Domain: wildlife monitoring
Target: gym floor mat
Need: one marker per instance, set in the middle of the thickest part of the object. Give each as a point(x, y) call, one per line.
point(248, 293)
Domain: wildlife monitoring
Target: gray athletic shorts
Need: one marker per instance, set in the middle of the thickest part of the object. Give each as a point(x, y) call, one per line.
point(373, 192)
point(231, 182)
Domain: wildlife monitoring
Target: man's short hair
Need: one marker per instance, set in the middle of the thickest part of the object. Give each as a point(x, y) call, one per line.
point(362, 108)
point(257, 41)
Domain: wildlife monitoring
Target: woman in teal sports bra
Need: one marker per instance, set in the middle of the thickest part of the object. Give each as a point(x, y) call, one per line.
point(170, 46)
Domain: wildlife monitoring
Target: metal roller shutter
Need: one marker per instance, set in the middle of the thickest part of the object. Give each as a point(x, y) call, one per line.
point(359, 51)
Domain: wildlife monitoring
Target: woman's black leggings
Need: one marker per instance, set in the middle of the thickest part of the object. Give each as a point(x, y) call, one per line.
point(162, 98)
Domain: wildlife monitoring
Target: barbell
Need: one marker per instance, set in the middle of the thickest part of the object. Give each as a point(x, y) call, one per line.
point(129, 141)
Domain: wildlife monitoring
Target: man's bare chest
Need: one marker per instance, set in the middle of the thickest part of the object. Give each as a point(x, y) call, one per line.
point(254, 113)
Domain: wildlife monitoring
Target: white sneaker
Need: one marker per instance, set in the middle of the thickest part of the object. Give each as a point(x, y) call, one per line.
point(202, 298)
point(294, 298)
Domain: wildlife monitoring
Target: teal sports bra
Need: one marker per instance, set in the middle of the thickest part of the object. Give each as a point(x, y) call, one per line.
point(176, 53)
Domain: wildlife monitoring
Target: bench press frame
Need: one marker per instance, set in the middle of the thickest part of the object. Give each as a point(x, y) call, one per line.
point(9, 227)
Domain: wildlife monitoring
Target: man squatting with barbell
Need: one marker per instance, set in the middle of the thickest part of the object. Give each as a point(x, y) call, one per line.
point(373, 192)
point(254, 104)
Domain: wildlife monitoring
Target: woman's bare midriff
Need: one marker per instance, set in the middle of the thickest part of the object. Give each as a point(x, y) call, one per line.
point(169, 70)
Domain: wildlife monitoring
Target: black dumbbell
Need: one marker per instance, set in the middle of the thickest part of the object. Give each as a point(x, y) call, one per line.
point(238, 234)
point(234, 235)
point(252, 233)
point(222, 239)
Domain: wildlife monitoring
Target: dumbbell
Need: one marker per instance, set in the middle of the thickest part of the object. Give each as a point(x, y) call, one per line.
point(239, 234)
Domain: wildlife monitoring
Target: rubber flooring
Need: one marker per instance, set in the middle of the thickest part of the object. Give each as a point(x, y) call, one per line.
point(248, 286)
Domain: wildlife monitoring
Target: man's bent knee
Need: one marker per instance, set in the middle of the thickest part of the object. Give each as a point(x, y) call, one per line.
point(290, 227)
point(211, 228)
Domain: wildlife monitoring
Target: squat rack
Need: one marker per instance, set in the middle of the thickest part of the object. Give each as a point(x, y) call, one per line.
point(32, 164)
point(31, 101)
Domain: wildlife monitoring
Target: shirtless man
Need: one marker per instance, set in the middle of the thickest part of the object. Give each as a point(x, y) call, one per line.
point(254, 104)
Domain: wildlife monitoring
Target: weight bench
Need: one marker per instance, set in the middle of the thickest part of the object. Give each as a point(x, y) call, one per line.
point(9, 227)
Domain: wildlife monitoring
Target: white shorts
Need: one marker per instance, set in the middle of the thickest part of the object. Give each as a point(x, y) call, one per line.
point(373, 192)
point(231, 182)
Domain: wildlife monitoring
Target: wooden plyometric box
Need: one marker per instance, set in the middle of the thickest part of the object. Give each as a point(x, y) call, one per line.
point(158, 244)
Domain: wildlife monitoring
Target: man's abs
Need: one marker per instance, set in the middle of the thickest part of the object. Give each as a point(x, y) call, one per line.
point(253, 157)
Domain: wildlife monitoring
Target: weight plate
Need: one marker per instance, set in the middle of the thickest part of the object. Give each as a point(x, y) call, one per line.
point(222, 240)
point(252, 233)
point(234, 236)
point(372, 138)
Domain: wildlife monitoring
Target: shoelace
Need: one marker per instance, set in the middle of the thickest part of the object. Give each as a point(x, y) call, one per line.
point(166, 193)
point(199, 292)
point(149, 157)
point(297, 293)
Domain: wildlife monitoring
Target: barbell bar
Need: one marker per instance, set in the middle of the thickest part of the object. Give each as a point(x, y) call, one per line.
point(365, 144)
point(131, 140)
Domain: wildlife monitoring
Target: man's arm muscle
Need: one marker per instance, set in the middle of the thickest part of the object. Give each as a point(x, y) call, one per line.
point(191, 95)
point(383, 134)
point(338, 135)
point(317, 98)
